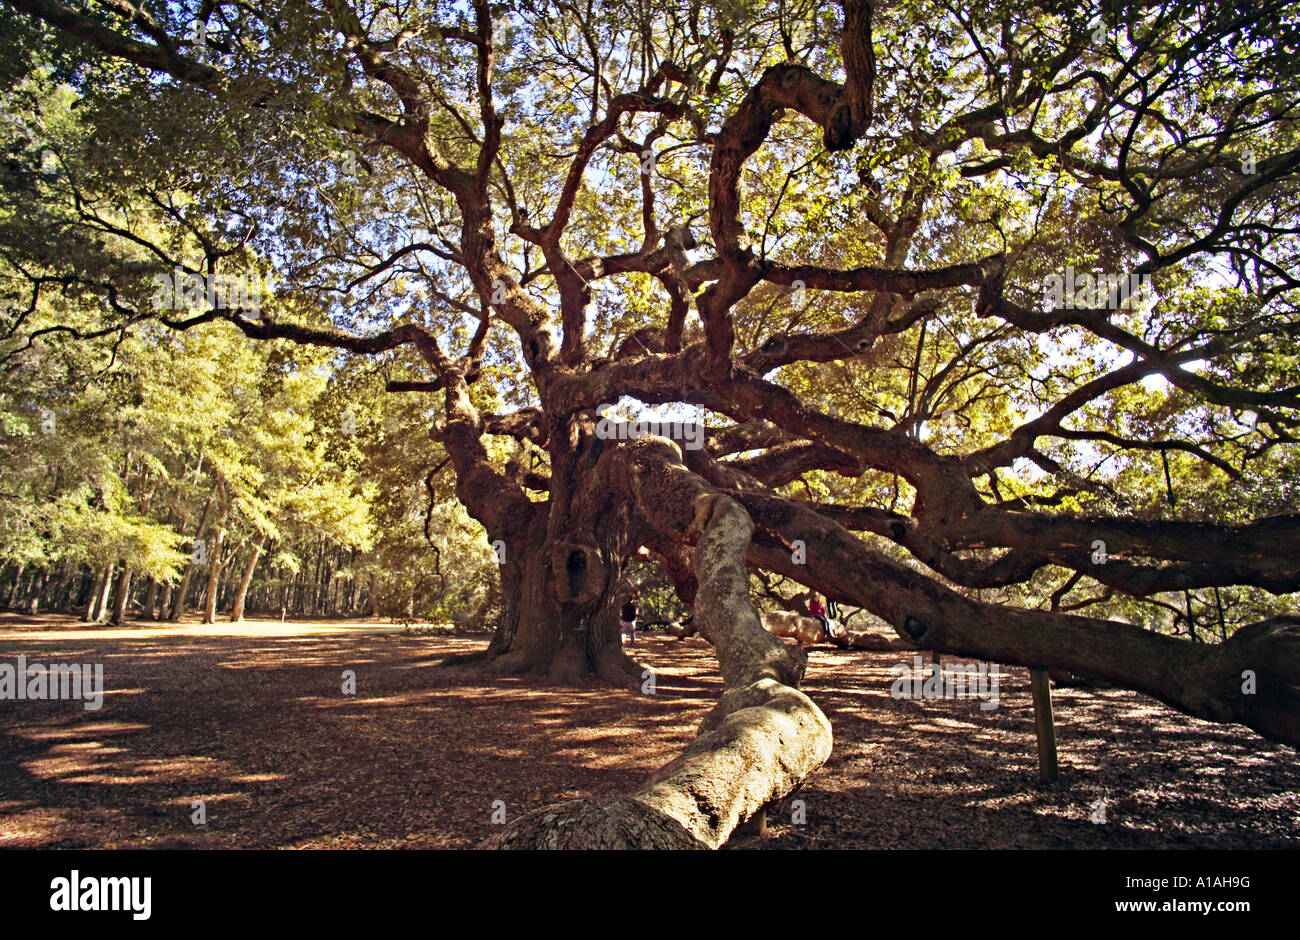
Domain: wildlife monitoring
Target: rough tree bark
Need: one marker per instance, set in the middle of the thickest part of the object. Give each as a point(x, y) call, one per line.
point(215, 561)
point(150, 600)
point(13, 590)
point(178, 604)
point(123, 594)
point(214, 574)
point(761, 739)
point(241, 595)
point(99, 597)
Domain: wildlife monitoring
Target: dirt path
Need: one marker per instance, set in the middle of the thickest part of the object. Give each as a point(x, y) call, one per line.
point(256, 725)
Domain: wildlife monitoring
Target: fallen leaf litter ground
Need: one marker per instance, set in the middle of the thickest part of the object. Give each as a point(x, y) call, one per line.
point(257, 727)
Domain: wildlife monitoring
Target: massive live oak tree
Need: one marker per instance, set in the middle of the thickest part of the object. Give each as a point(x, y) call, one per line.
point(861, 243)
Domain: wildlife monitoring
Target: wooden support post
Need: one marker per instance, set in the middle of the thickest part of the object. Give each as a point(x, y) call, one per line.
point(1048, 771)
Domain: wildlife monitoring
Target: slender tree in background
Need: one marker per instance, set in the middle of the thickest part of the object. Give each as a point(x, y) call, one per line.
point(948, 285)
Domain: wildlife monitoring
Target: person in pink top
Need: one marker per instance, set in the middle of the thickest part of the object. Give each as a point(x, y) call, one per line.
point(818, 610)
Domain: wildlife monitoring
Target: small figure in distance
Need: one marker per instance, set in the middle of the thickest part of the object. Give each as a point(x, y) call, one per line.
point(628, 618)
point(830, 621)
point(817, 609)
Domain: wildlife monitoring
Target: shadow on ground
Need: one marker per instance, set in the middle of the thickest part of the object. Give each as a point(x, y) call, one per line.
point(259, 729)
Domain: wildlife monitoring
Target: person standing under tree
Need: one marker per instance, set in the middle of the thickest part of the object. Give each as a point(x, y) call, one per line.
point(628, 616)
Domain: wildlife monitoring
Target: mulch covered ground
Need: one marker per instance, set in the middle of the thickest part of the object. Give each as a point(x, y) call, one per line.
point(258, 728)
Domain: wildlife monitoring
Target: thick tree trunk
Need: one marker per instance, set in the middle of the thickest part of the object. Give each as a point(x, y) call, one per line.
point(225, 591)
point(85, 587)
point(214, 573)
point(1253, 678)
point(123, 594)
point(806, 631)
point(13, 591)
point(561, 565)
point(34, 592)
point(150, 600)
point(560, 599)
point(99, 598)
point(315, 581)
point(761, 740)
point(178, 600)
point(369, 609)
point(178, 605)
point(57, 592)
point(237, 611)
